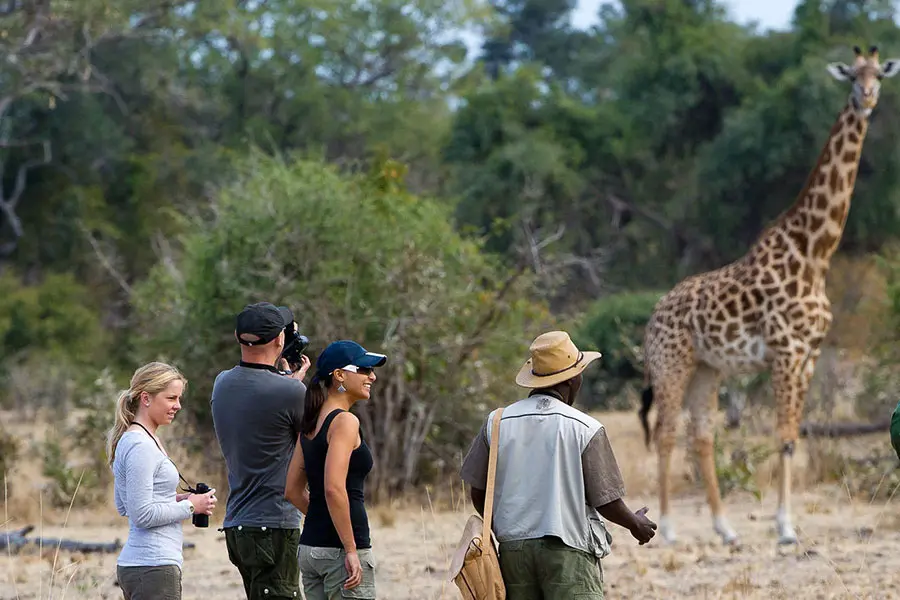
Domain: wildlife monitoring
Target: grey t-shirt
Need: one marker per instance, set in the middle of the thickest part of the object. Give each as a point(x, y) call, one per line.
point(256, 414)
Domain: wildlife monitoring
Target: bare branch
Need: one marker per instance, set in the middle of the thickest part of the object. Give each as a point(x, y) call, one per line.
point(105, 261)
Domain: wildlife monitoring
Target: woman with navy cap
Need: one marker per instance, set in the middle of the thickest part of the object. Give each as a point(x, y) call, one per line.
point(336, 558)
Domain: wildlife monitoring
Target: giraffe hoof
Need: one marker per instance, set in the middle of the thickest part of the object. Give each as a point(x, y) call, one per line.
point(721, 526)
point(786, 535)
point(666, 532)
point(787, 539)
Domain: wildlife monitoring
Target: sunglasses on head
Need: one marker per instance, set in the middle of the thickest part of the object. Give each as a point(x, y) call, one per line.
point(361, 370)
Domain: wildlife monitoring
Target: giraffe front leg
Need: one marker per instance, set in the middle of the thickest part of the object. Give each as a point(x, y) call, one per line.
point(791, 378)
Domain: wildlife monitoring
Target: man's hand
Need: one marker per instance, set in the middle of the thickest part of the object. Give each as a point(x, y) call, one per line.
point(300, 373)
point(643, 529)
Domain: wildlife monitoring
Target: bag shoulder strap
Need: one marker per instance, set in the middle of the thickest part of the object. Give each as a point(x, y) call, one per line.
point(491, 474)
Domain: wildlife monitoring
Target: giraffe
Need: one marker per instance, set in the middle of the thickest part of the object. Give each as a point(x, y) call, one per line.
point(766, 311)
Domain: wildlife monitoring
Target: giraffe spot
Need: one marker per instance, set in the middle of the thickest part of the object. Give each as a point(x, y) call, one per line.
point(767, 278)
point(799, 238)
point(732, 332)
point(758, 297)
point(853, 137)
point(731, 308)
point(820, 180)
point(833, 179)
point(838, 144)
point(720, 316)
point(851, 119)
point(851, 177)
point(837, 213)
point(815, 223)
point(850, 156)
point(701, 322)
point(791, 288)
point(779, 301)
point(749, 318)
point(859, 127)
point(746, 302)
point(821, 201)
point(805, 289)
point(824, 245)
point(793, 266)
point(826, 156)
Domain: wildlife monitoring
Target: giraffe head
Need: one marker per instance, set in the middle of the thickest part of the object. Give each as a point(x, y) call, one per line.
point(866, 74)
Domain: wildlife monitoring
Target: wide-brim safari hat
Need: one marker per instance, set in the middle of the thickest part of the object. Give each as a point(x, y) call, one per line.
point(554, 359)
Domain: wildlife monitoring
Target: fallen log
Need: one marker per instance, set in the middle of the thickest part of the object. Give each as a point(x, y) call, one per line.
point(836, 430)
point(14, 540)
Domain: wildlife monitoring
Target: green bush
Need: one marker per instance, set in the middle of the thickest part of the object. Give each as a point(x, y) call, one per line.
point(357, 259)
point(614, 325)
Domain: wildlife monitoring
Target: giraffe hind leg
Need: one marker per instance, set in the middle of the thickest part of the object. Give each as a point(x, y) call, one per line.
point(669, 392)
point(702, 402)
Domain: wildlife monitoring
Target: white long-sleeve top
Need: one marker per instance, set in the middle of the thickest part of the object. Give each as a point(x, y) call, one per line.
point(145, 486)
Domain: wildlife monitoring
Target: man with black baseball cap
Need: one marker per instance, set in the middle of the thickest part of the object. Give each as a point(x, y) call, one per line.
point(256, 410)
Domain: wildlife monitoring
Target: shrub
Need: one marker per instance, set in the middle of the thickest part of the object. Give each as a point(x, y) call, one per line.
point(614, 325)
point(354, 259)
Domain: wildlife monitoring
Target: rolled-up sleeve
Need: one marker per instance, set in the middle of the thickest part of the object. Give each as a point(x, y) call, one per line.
point(603, 481)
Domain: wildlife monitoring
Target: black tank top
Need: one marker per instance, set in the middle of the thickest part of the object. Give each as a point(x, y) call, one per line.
point(318, 528)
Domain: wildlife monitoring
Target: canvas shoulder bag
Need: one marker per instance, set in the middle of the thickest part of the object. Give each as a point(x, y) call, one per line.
point(475, 567)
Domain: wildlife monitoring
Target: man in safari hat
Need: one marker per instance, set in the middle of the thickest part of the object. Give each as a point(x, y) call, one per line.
point(556, 476)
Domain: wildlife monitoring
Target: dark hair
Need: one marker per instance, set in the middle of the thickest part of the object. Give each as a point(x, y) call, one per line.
point(315, 398)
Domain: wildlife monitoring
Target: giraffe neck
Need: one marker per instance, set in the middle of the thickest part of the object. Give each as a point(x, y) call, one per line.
point(813, 226)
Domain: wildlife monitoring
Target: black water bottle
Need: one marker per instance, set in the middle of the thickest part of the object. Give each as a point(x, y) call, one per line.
point(201, 519)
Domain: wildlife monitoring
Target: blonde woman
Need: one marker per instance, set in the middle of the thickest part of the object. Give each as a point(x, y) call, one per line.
point(146, 481)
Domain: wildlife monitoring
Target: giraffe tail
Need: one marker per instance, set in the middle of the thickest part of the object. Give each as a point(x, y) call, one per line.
point(646, 403)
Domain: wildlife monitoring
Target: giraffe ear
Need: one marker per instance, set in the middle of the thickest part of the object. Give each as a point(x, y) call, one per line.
point(891, 67)
point(840, 71)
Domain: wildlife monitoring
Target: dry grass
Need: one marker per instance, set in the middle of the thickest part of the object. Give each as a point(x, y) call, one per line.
point(850, 547)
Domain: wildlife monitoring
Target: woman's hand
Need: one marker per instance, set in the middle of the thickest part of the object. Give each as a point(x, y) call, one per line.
point(204, 504)
point(354, 570)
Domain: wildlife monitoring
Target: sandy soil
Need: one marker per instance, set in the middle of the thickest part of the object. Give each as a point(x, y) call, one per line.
point(849, 549)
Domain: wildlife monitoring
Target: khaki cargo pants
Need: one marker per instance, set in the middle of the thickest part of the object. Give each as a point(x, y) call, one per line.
point(547, 569)
point(267, 561)
point(324, 574)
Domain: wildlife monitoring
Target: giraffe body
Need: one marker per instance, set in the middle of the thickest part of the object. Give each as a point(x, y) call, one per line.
point(768, 310)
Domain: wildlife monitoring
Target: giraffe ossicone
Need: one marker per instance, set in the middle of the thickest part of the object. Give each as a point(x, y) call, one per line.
point(765, 311)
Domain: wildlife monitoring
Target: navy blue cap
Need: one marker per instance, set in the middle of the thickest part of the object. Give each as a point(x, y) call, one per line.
point(343, 353)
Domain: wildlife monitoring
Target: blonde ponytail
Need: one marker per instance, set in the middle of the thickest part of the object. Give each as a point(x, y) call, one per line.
point(152, 378)
point(126, 410)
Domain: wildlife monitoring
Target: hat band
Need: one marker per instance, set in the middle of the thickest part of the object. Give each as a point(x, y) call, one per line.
point(572, 366)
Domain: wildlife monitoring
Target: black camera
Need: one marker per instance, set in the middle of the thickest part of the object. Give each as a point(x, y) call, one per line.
point(294, 345)
point(201, 520)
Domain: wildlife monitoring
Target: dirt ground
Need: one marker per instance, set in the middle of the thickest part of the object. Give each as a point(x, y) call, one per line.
point(849, 548)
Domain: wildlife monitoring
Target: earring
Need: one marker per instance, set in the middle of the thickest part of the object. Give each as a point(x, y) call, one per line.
point(341, 389)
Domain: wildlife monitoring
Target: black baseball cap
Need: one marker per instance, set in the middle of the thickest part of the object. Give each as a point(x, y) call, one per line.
point(260, 323)
point(345, 353)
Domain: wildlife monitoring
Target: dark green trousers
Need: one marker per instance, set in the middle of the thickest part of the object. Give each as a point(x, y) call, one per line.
point(547, 569)
point(267, 561)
